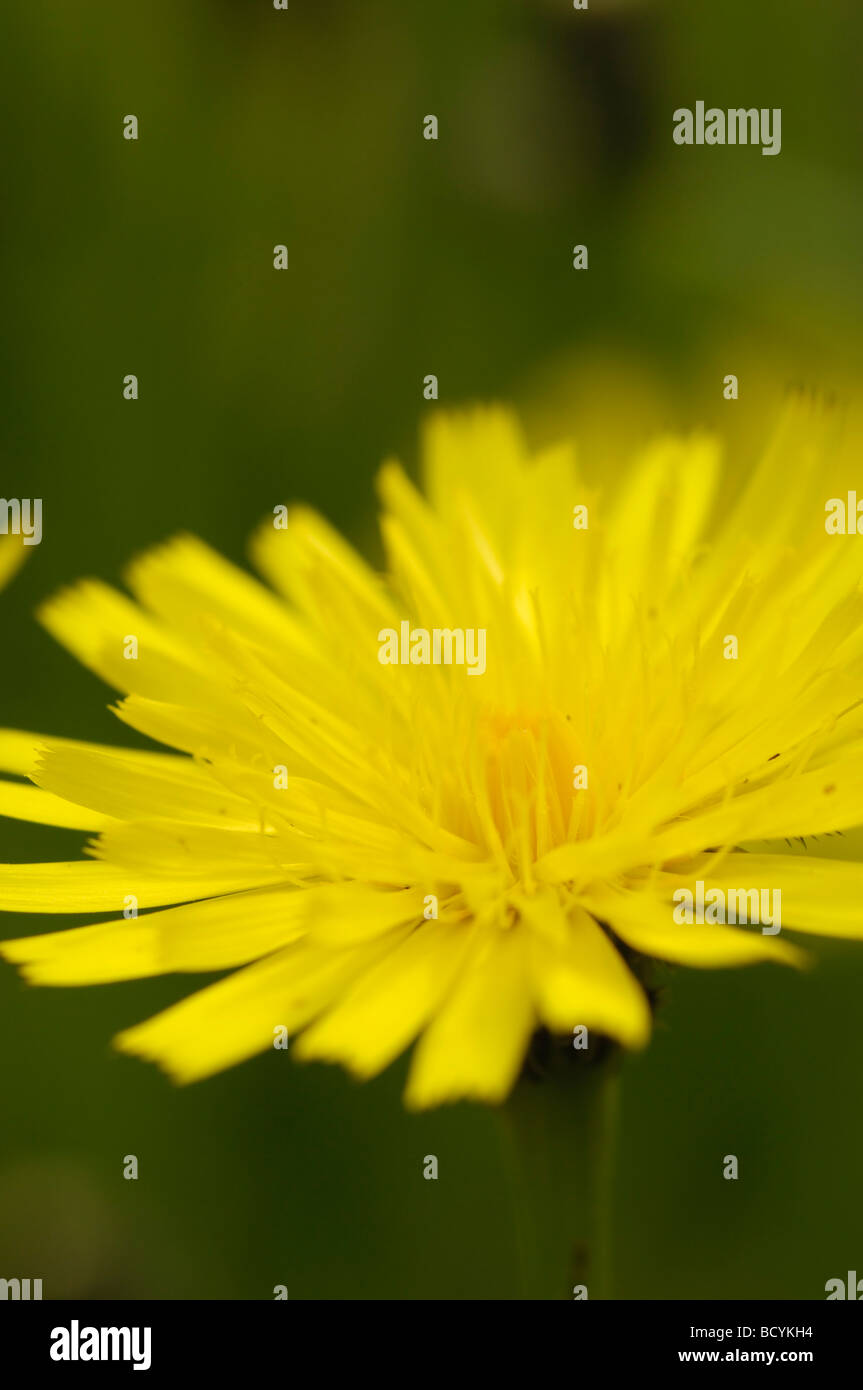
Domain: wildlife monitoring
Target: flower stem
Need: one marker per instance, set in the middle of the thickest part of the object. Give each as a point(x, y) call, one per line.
point(559, 1133)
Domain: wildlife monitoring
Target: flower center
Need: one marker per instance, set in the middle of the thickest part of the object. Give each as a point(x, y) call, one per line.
point(529, 771)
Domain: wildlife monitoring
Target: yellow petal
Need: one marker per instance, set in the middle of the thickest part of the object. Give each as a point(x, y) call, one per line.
point(821, 896)
point(230, 859)
point(20, 801)
point(84, 886)
point(812, 803)
point(209, 935)
point(22, 751)
point(646, 923)
point(236, 1018)
point(580, 978)
point(213, 934)
point(381, 1014)
point(129, 789)
point(475, 1046)
point(184, 581)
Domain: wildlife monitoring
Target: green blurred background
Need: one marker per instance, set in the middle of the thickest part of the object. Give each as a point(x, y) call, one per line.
point(407, 257)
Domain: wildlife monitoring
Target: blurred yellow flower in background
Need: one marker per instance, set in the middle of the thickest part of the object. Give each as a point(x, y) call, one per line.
point(12, 557)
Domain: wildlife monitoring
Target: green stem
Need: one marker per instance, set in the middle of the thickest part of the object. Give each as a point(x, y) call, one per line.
point(559, 1134)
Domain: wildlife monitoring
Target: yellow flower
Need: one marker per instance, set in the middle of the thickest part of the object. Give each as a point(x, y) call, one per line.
point(12, 556)
point(324, 805)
